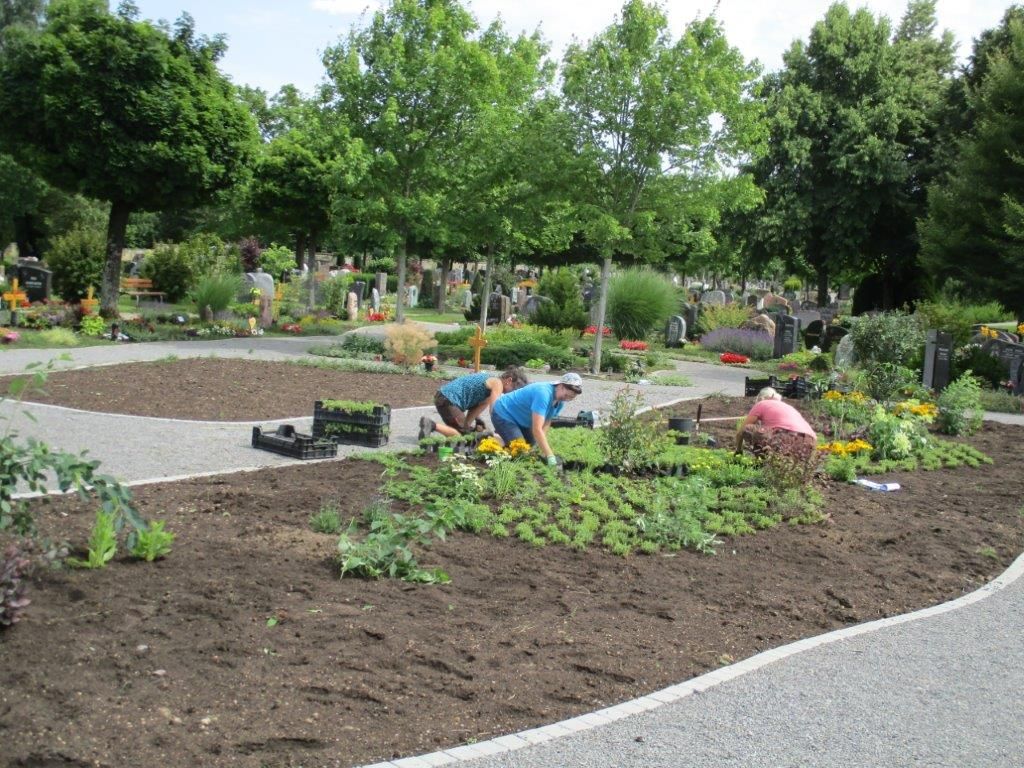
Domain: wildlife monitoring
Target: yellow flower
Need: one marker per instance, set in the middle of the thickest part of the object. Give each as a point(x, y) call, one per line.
point(517, 447)
point(1020, 329)
point(489, 445)
point(832, 395)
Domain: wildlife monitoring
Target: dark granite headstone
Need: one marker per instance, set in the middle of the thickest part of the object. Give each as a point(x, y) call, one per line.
point(532, 303)
point(833, 335)
point(938, 351)
point(690, 314)
point(34, 280)
point(675, 331)
point(814, 335)
point(787, 335)
point(359, 289)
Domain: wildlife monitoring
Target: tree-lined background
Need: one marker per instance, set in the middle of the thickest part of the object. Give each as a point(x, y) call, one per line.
point(870, 158)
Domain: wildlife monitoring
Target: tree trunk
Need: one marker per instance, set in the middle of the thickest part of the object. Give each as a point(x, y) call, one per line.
point(485, 296)
point(442, 288)
point(117, 224)
point(823, 286)
point(300, 250)
point(602, 306)
point(400, 300)
point(311, 264)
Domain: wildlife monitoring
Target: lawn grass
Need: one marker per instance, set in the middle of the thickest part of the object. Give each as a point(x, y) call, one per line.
point(427, 315)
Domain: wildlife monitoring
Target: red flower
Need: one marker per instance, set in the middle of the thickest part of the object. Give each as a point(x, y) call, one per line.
point(636, 346)
point(731, 357)
point(591, 330)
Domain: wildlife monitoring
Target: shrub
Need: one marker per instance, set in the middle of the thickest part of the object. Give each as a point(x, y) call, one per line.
point(960, 410)
point(334, 293)
point(249, 251)
point(630, 442)
point(889, 337)
point(956, 317)
point(362, 342)
point(757, 345)
point(217, 291)
point(639, 300)
point(792, 284)
point(76, 260)
point(565, 310)
point(206, 253)
point(381, 264)
point(92, 325)
point(986, 366)
point(883, 381)
point(277, 260)
point(171, 269)
point(58, 337)
point(721, 316)
point(407, 343)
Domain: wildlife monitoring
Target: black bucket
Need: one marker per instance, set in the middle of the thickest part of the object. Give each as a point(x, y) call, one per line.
point(681, 425)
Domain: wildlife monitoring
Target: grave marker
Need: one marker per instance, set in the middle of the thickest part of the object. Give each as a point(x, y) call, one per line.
point(814, 335)
point(938, 352)
point(675, 331)
point(787, 335)
point(477, 342)
point(34, 281)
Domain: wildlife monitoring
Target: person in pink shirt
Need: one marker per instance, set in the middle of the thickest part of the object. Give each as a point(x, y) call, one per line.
point(769, 417)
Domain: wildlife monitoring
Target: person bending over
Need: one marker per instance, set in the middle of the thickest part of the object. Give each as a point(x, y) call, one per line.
point(527, 413)
point(461, 401)
point(771, 419)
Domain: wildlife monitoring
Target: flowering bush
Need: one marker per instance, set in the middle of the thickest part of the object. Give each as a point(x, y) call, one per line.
point(893, 437)
point(926, 412)
point(731, 358)
point(291, 328)
point(757, 345)
point(8, 336)
point(845, 447)
point(636, 346)
point(492, 447)
point(591, 330)
point(376, 317)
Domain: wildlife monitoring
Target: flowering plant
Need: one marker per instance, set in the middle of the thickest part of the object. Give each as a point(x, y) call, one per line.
point(490, 446)
point(636, 346)
point(989, 333)
point(845, 448)
point(731, 358)
point(429, 359)
point(1020, 329)
point(591, 330)
point(7, 336)
point(376, 317)
point(291, 328)
point(926, 412)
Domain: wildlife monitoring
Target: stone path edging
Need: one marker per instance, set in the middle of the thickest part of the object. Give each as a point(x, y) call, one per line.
point(533, 736)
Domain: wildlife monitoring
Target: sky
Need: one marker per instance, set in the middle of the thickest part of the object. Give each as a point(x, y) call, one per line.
point(275, 42)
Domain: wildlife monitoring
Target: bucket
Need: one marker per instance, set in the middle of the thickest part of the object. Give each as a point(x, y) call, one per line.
point(445, 452)
point(681, 425)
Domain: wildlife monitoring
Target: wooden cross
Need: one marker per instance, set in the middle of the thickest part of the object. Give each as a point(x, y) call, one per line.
point(89, 304)
point(478, 342)
point(275, 308)
point(14, 297)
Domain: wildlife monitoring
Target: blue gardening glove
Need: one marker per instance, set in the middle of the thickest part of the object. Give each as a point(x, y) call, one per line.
point(552, 460)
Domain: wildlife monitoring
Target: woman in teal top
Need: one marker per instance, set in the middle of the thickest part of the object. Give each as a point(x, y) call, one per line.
point(461, 401)
point(527, 413)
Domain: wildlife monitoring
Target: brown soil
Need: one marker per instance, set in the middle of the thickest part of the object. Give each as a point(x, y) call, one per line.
point(222, 389)
point(174, 663)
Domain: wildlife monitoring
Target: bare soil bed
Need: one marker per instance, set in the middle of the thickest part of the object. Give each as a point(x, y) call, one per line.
point(174, 663)
point(222, 389)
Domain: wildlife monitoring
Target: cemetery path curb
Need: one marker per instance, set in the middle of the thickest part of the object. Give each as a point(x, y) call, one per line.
point(931, 687)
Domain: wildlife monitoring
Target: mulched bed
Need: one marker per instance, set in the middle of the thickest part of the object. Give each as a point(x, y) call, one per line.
point(222, 389)
point(174, 663)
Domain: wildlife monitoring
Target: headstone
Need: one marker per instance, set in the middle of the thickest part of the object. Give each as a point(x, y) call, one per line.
point(381, 283)
point(761, 323)
point(531, 304)
point(808, 305)
point(787, 335)
point(712, 298)
point(845, 356)
point(828, 314)
point(514, 294)
point(814, 335)
point(753, 301)
point(375, 299)
point(844, 292)
point(807, 316)
point(359, 289)
point(520, 301)
point(266, 311)
point(771, 301)
point(728, 297)
point(690, 314)
point(261, 280)
point(833, 335)
point(467, 299)
point(675, 331)
point(412, 295)
point(352, 306)
point(1016, 362)
point(34, 280)
point(938, 352)
point(498, 309)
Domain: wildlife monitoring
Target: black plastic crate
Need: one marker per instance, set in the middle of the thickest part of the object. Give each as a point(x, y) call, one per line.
point(359, 435)
point(752, 387)
point(380, 416)
point(287, 442)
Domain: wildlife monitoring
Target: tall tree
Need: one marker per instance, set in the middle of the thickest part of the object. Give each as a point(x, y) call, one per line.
point(854, 116)
point(645, 109)
point(973, 230)
point(112, 107)
point(409, 85)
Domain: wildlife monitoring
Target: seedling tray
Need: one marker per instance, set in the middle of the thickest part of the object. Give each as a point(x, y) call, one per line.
point(751, 387)
point(287, 442)
point(380, 416)
point(372, 437)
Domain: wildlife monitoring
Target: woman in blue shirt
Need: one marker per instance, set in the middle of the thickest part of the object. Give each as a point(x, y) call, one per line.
point(527, 413)
point(462, 400)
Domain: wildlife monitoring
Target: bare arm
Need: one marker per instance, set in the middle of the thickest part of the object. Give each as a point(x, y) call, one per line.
point(540, 429)
point(496, 389)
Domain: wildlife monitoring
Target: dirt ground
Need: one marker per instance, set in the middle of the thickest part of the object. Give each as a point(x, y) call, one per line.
point(174, 663)
point(222, 389)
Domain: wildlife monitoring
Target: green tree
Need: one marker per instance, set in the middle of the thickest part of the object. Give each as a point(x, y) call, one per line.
point(122, 111)
point(644, 112)
point(409, 85)
point(973, 231)
point(853, 115)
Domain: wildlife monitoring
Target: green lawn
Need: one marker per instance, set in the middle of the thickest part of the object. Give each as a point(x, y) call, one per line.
point(424, 315)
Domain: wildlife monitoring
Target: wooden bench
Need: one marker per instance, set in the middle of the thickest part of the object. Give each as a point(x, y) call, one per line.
point(137, 287)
